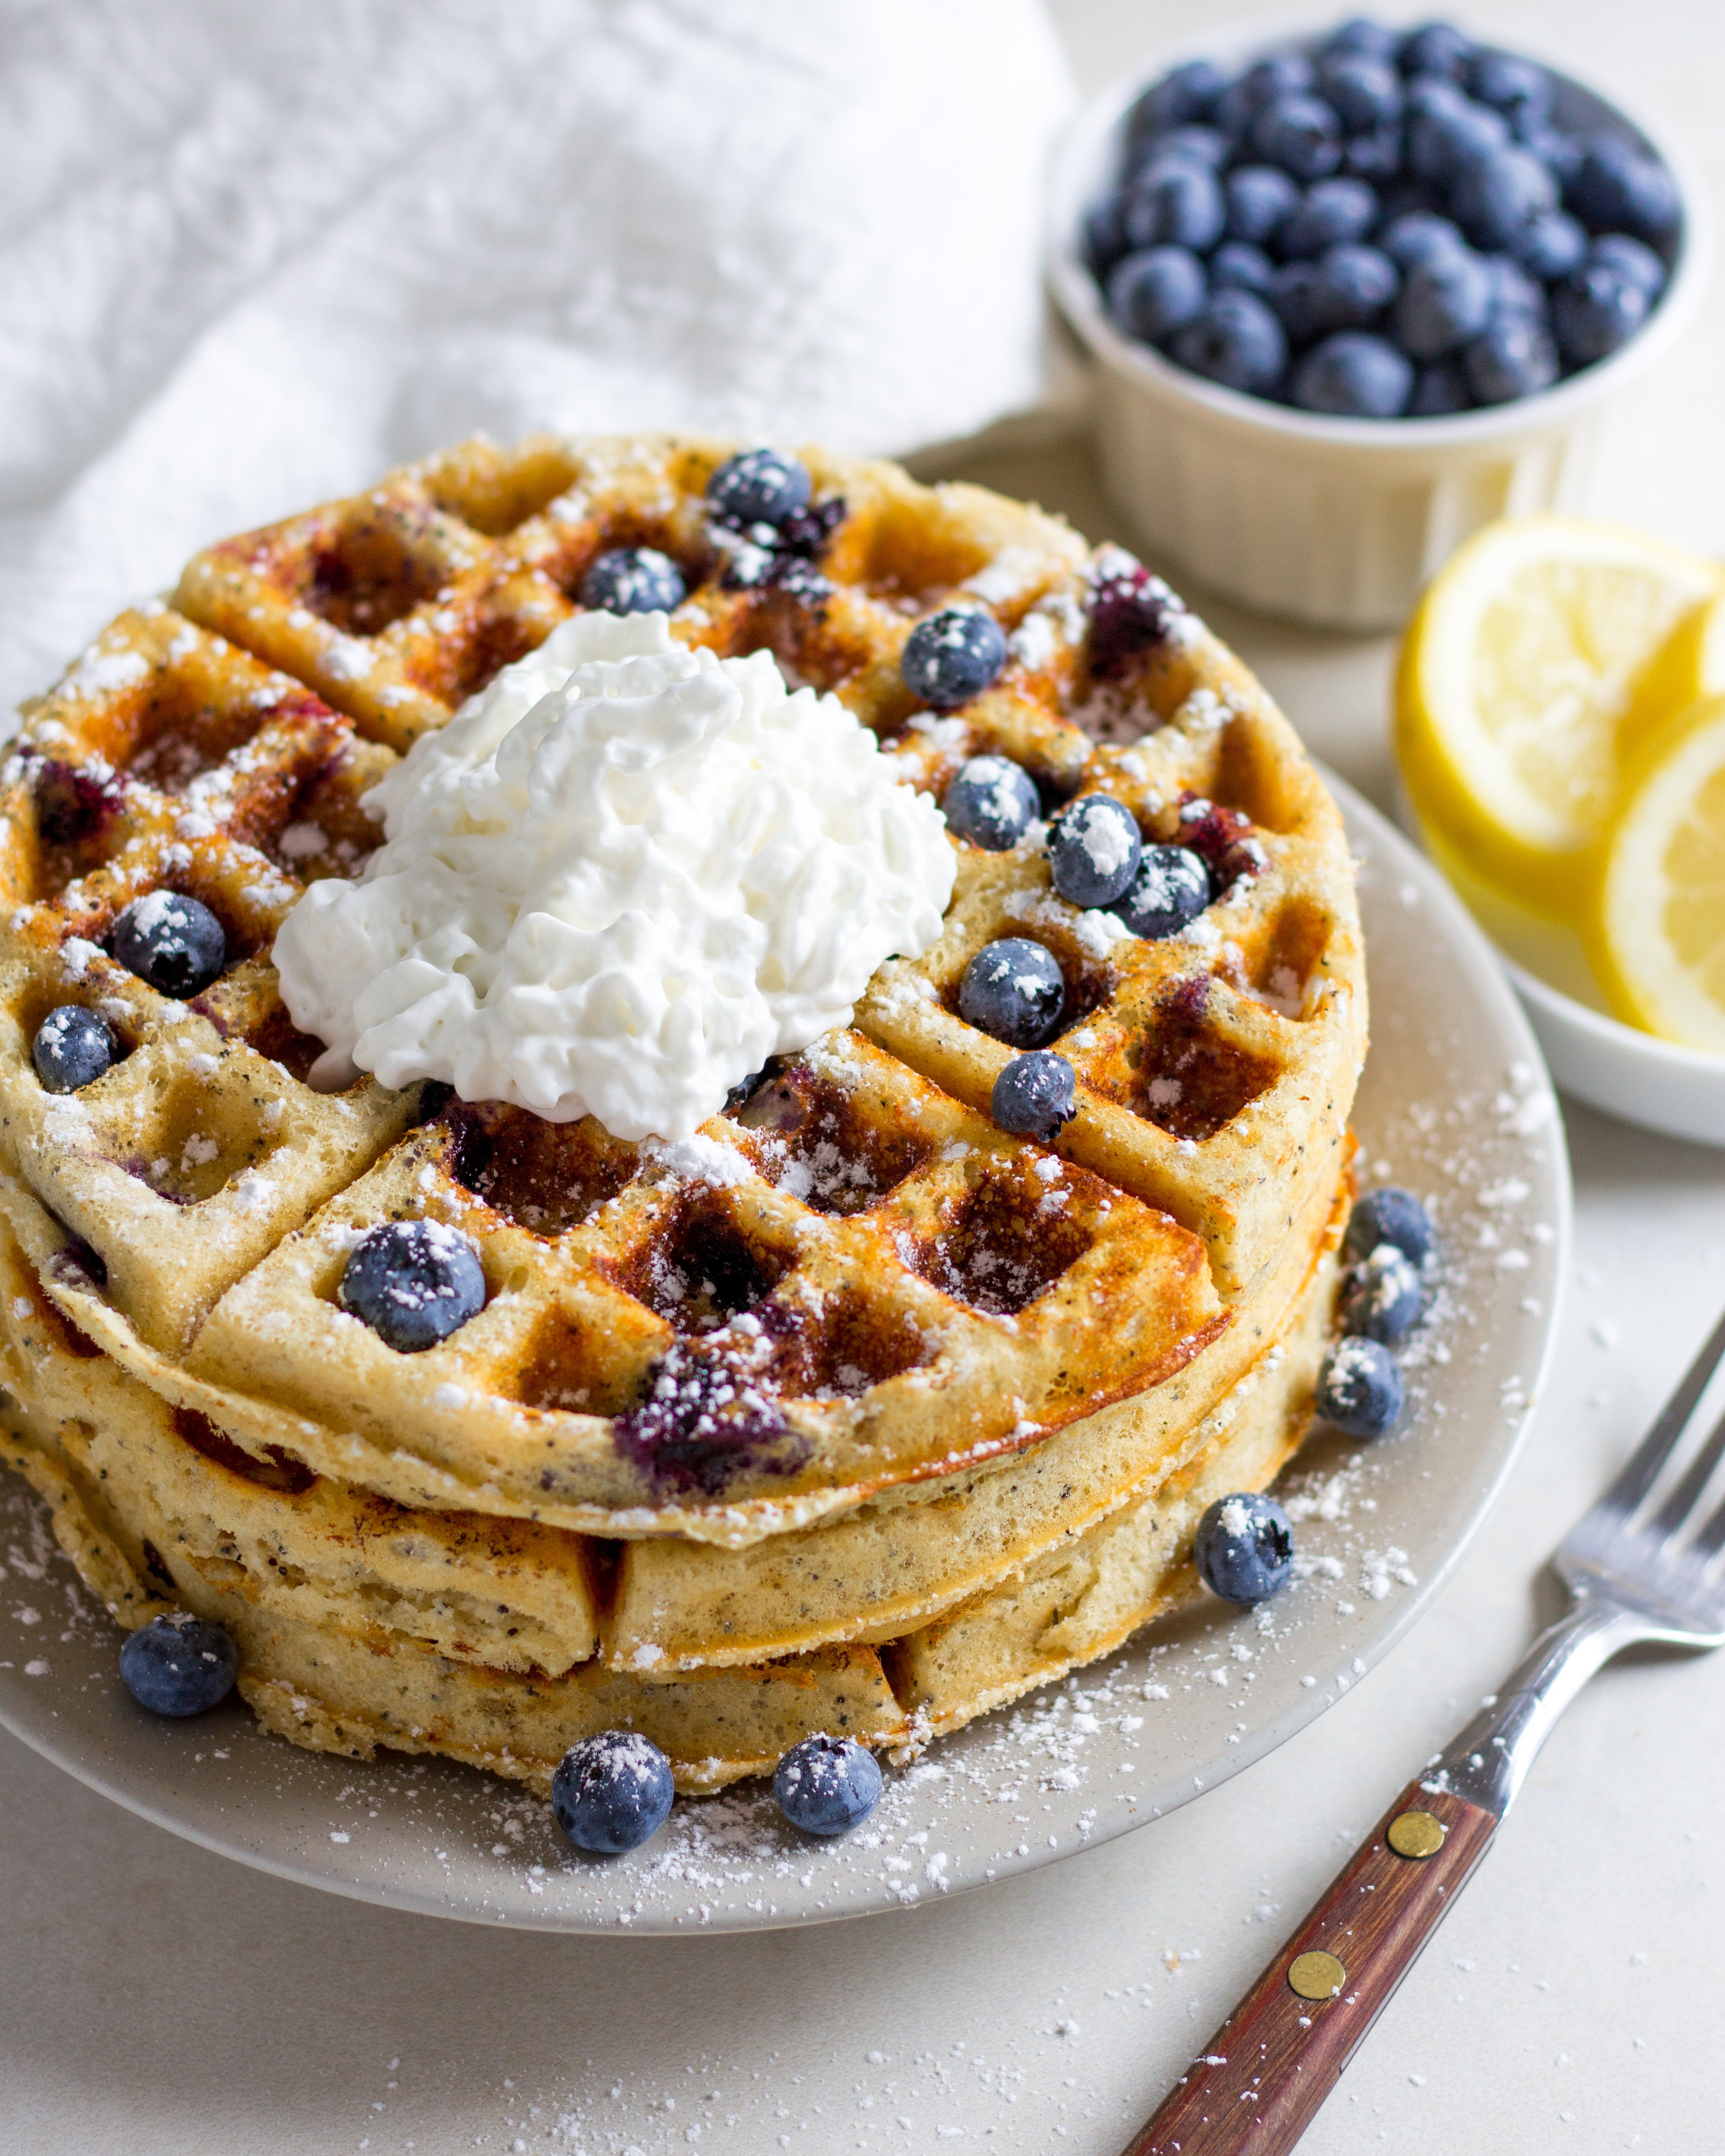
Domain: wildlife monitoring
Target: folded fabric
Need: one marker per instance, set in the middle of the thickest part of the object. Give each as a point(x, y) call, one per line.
point(250, 256)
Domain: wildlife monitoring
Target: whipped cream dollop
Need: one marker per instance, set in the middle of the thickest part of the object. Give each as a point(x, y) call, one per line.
point(622, 876)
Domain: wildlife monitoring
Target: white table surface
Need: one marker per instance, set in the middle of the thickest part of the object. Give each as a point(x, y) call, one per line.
point(154, 1999)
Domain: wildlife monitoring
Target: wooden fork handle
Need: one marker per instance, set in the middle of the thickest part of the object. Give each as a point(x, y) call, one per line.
point(1260, 2079)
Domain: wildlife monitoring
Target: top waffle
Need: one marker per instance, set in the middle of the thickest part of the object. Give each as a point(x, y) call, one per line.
point(853, 1278)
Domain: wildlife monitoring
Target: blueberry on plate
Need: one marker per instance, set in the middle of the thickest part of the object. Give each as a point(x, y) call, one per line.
point(1354, 376)
point(1393, 1216)
point(1104, 236)
point(759, 486)
point(1448, 132)
point(1444, 303)
point(1014, 990)
point(1291, 295)
point(1354, 286)
point(1035, 1096)
point(1236, 340)
point(1495, 196)
point(1244, 1548)
point(1367, 93)
point(1094, 849)
point(1436, 49)
point(1417, 235)
point(953, 656)
point(1551, 246)
point(992, 802)
point(1631, 259)
point(1439, 391)
point(1174, 203)
point(1197, 144)
point(174, 943)
point(1331, 213)
point(1515, 295)
point(1238, 266)
point(633, 580)
point(73, 1048)
point(612, 1792)
point(1376, 155)
point(1258, 197)
point(415, 1282)
point(1562, 153)
point(826, 1785)
point(1185, 93)
point(1301, 134)
point(178, 1665)
point(1360, 35)
point(1520, 90)
point(1156, 291)
point(1382, 1298)
point(1172, 887)
point(1284, 73)
point(1619, 188)
point(1596, 311)
point(1359, 1387)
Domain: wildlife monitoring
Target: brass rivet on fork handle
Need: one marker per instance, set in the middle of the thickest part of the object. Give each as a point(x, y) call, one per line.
point(1415, 1835)
point(1317, 1975)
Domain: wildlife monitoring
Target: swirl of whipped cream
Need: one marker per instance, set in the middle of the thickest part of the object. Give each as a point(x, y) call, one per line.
point(622, 876)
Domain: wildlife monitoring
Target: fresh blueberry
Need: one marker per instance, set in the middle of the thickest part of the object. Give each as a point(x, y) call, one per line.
point(1186, 93)
point(1562, 153)
point(1278, 74)
point(1417, 236)
point(1359, 1388)
point(1198, 146)
point(1367, 93)
point(173, 943)
point(1551, 247)
point(613, 1792)
point(1244, 1548)
point(1237, 341)
point(1353, 287)
point(1515, 295)
point(1153, 293)
point(1376, 155)
point(1333, 214)
point(1629, 259)
point(1301, 134)
point(1174, 203)
point(1359, 33)
point(1382, 1297)
point(1238, 266)
point(953, 656)
point(1354, 376)
point(1446, 303)
point(1515, 358)
point(1621, 188)
point(827, 1785)
point(993, 802)
point(1595, 311)
point(1495, 196)
point(634, 580)
point(1104, 235)
point(1393, 1216)
point(1439, 390)
point(413, 1282)
point(1516, 88)
point(1436, 49)
point(1013, 989)
point(1291, 295)
point(1094, 849)
point(1258, 197)
point(759, 486)
point(1035, 1095)
point(1448, 132)
point(73, 1048)
point(1172, 887)
point(178, 1665)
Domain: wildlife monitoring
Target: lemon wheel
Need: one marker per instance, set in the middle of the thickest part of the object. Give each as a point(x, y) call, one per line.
point(1658, 938)
point(1518, 679)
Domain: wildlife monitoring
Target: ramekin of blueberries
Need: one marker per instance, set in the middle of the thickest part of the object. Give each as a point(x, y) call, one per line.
point(1369, 240)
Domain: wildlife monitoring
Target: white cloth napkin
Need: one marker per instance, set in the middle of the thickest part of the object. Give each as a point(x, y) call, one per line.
point(250, 256)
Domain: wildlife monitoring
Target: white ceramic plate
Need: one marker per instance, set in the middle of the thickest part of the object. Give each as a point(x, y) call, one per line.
point(1455, 1103)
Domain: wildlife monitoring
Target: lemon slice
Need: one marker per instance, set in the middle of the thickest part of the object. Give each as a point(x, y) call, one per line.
point(1658, 941)
point(1516, 677)
point(1689, 668)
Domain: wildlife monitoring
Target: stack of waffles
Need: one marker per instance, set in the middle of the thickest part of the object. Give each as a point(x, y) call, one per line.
point(854, 1413)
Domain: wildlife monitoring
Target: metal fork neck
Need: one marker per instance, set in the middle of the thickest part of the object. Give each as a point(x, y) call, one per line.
point(1488, 1762)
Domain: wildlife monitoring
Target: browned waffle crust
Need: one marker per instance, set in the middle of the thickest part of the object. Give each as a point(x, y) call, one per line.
point(970, 1358)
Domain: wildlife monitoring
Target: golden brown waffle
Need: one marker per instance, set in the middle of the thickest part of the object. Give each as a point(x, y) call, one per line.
point(853, 1334)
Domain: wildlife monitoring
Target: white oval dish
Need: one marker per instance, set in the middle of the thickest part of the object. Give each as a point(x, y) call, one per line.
point(1339, 522)
point(1455, 1102)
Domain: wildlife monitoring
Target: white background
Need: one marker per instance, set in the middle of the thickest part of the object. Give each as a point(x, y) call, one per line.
point(156, 1999)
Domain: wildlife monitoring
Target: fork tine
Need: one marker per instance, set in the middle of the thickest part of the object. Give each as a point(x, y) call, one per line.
point(1711, 1540)
point(1639, 1473)
point(1684, 1499)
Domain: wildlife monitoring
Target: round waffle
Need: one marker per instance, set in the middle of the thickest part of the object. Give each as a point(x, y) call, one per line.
point(966, 1357)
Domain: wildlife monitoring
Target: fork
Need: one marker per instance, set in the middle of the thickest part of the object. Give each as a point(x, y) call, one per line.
point(1633, 1572)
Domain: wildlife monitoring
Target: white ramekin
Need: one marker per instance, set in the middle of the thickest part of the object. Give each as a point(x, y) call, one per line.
point(1339, 522)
